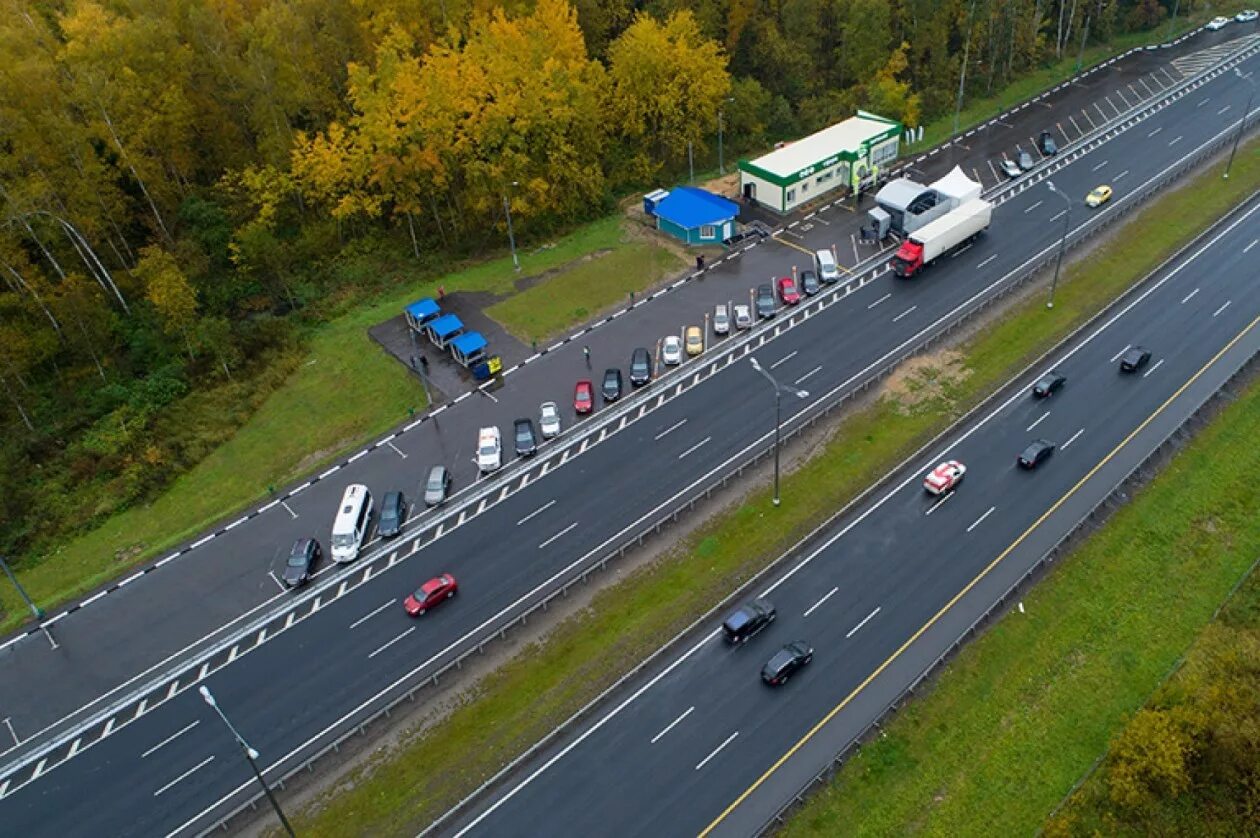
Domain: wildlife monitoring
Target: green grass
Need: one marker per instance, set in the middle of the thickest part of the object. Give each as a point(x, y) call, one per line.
point(528, 696)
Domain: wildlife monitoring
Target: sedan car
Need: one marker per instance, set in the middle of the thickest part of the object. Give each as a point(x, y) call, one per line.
point(526, 441)
point(694, 340)
point(671, 350)
point(1100, 196)
point(438, 486)
point(640, 367)
point(1047, 144)
point(787, 291)
point(1037, 452)
point(1134, 359)
point(743, 317)
point(549, 419)
point(944, 477)
point(1247, 15)
point(1218, 23)
point(786, 661)
point(809, 283)
point(1048, 383)
point(1010, 168)
point(300, 566)
point(436, 590)
point(393, 514)
point(721, 320)
point(583, 398)
point(1025, 161)
point(764, 300)
point(611, 388)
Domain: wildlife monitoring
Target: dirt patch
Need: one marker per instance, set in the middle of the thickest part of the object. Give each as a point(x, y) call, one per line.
point(316, 458)
point(924, 379)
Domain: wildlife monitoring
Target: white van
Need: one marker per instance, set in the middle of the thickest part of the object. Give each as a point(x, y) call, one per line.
point(827, 270)
point(351, 525)
point(489, 450)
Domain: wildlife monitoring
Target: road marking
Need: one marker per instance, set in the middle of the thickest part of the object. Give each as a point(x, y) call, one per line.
point(904, 313)
point(976, 523)
point(987, 261)
point(564, 531)
point(1073, 438)
point(287, 509)
point(694, 447)
point(932, 509)
point(1092, 125)
point(826, 597)
point(172, 737)
point(1033, 207)
point(785, 358)
point(396, 451)
point(960, 252)
point(670, 429)
point(808, 374)
point(1058, 215)
point(865, 620)
point(728, 741)
point(1116, 357)
point(1153, 133)
point(1122, 174)
point(1158, 364)
point(671, 725)
point(185, 775)
point(1222, 110)
point(1038, 422)
point(1186, 299)
point(371, 614)
point(880, 300)
point(1079, 132)
point(1204, 102)
point(1222, 308)
point(1174, 141)
point(392, 642)
point(1098, 166)
point(1253, 244)
point(537, 511)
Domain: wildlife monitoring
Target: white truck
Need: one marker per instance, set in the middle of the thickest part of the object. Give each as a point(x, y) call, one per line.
point(941, 236)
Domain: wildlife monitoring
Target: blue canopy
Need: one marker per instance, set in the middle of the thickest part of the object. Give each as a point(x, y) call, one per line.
point(422, 310)
point(445, 326)
point(689, 208)
point(468, 344)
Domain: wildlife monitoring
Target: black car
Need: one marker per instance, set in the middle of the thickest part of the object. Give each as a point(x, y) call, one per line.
point(640, 367)
point(1048, 383)
point(611, 387)
point(1037, 452)
point(1026, 161)
point(1047, 145)
point(809, 283)
point(300, 566)
point(526, 440)
point(786, 661)
point(1134, 359)
point(393, 514)
point(764, 302)
point(750, 618)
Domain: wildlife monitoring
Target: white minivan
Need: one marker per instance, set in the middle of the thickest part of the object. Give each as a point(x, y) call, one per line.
point(827, 270)
point(351, 525)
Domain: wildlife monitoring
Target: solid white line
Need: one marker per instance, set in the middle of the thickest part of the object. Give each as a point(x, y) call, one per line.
point(172, 737)
point(537, 511)
point(199, 765)
point(1158, 364)
point(881, 299)
point(904, 313)
point(1074, 436)
point(785, 358)
point(865, 620)
point(392, 642)
point(981, 518)
point(808, 374)
point(1222, 308)
point(671, 725)
point(1039, 421)
point(1121, 352)
point(371, 614)
point(694, 447)
point(564, 531)
point(948, 495)
point(987, 261)
point(1033, 207)
point(728, 741)
point(826, 597)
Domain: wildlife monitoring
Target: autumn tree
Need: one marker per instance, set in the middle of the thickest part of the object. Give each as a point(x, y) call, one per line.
point(1151, 759)
point(169, 292)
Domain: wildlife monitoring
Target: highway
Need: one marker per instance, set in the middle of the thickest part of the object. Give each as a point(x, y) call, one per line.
point(674, 751)
point(169, 765)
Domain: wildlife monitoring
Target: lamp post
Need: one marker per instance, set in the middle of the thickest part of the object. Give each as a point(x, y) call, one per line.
point(507, 210)
point(779, 390)
point(1067, 215)
point(250, 756)
point(721, 158)
point(36, 611)
point(1243, 123)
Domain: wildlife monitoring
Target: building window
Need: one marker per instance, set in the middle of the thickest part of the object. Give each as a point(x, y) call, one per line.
point(708, 231)
point(790, 196)
point(884, 152)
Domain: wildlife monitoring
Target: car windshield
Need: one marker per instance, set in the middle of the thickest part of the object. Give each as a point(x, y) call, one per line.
point(297, 560)
point(486, 450)
point(345, 539)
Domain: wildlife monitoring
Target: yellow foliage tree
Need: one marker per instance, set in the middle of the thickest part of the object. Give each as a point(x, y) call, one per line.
point(169, 292)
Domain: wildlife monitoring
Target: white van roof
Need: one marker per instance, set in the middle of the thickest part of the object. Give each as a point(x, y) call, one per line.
point(825, 257)
point(348, 512)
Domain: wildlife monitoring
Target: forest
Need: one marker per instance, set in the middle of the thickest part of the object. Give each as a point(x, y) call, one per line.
point(183, 181)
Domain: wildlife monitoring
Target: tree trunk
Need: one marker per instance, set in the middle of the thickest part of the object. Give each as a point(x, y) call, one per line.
point(139, 180)
point(438, 220)
point(31, 290)
point(8, 391)
point(100, 266)
point(411, 228)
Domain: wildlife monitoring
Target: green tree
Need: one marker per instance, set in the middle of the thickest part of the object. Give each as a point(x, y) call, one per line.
point(169, 292)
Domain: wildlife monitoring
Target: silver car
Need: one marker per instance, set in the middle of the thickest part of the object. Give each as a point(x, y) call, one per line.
point(437, 486)
point(721, 320)
point(743, 317)
point(671, 350)
point(549, 419)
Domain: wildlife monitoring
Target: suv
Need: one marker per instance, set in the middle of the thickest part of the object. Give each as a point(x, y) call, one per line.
point(1134, 359)
point(526, 442)
point(1046, 143)
point(765, 300)
point(393, 514)
point(611, 388)
point(489, 450)
point(640, 367)
point(300, 565)
point(751, 618)
point(786, 661)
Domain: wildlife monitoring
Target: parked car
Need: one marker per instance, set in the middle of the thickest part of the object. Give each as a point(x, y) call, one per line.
point(300, 566)
point(809, 282)
point(583, 398)
point(1010, 168)
point(1134, 359)
point(747, 620)
point(792, 657)
point(721, 320)
point(743, 317)
point(1037, 452)
point(1099, 196)
point(526, 441)
point(640, 367)
point(944, 477)
point(437, 486)
point(549, 419)
point(1247, 15)
point(1217, 23)
point(1047, 144)
point(764, 301)
point(671, 350)
point(694, 339)
point(489, 450)
point(787, 291)
point(393, 514)
point(611, 388)
point(1025, 161)
point(1048, 383)
point(437, 590)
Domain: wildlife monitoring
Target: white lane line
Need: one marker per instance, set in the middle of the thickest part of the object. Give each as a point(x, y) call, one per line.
point(865, 620)
point(185, 775)
point(1116, 357)
point(880, 300)
point(959, 252)
point(728, 741)
point(808, 374)
point(1153, 133)
point(694, 447)
point(1073, 438)
point(826, 597)
point(1058, 215)
point(671, 725)
point(1098, 166)
point(1158, 364)
point(1033, 207)
point(1221, 112)
point(672, 427)
point(785, 358)
point(904, 313)
point(1184, 300)
point(1174, 141)
point(1204, 102)
point(1039, 421)
point(564, 531)
point(537, 511)
point(371, 614)
point(1122, 174)
point(948, 495)
point(1253, 244)
point(976, 523)
point(1222, 308)
point(392, 642)
point(171, 738)
point(987, 261)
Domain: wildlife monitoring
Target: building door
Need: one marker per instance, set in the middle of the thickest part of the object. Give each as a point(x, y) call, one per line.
point(750, 192)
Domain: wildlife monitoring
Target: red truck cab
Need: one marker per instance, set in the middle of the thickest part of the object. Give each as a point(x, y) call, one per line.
point(908, 259)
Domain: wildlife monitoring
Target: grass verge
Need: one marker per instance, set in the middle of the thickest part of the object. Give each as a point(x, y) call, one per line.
point(524, 699)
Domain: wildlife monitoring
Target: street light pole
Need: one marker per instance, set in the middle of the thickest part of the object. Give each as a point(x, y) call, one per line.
point(36, 611)
point(779, 389)
point(1058, 264)
point(250, 756)
point(721, 159)
point(507, 210)
point(1243, 123)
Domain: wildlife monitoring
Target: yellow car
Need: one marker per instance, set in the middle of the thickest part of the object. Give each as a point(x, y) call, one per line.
point(694, 340)
point(1100, 196)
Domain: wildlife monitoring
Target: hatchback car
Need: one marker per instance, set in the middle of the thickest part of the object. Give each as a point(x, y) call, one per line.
point(1048, 383)
point(611, 388)
point(694, 340)
point(1025, 161)
point(1010, 168)
point(300, 566)
point(1046, 143)
point(1037, 452)
point(721, 320)
point(747, 620)
point(944, 477)
point(1134, 359)
point(437, 487)
point(809, 282)
point(764, 300)
point(786, 661)
point(549, 420)
point(393, 514)
point(526, 441)
point(787, 291)
point(640, 367)
point(437, 590)
point(743, 317)
point(671, 350)
point(1100, 196)
point(583, 398)
point(1217, 23)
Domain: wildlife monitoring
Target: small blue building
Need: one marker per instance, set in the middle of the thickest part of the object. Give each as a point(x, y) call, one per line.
point(421, 312)
point(694, 215)
point(443, 330)
point(468, 348)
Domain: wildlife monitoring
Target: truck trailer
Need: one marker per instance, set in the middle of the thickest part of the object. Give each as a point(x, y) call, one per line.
point(941, 236)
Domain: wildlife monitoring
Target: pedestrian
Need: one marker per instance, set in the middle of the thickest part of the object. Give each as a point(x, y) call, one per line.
point(441, 292)
point(586, 351)
point(700, 262)
point(424, 364)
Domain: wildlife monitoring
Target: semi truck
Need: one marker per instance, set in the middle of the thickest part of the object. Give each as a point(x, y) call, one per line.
point(941, 236)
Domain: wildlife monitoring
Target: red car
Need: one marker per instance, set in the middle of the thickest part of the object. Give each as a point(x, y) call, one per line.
point(787, 291)
point(944, 477)
point(583, 398)
point(438, 589)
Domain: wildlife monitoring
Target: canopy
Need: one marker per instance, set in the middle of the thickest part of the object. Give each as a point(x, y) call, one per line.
point(422, 310)
point(445, 326)
point(469, 343)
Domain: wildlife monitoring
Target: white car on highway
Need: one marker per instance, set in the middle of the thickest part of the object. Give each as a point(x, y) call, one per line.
point(1247, 16)
point(1217, 23)
point(549, 419)
point(671, 350)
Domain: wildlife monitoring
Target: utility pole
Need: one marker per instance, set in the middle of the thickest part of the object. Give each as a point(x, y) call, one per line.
point(779, 389)
point(1242, 124)
point(36, 611)
point(507, 210)
point(1067, 214)
point(251, 756)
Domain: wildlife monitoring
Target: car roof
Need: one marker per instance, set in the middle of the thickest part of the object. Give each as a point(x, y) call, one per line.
point(437, 471)
point(301, 546)
point(433, 584)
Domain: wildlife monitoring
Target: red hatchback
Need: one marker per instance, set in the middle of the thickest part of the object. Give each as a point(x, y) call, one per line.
point(787, 291)
point(437, 589)
point(583, 398)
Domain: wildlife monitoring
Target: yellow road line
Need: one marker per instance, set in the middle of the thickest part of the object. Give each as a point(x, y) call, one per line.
point(805, 250)
point(937, 616)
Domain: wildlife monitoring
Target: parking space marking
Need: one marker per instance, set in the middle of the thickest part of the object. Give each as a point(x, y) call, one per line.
point(977, 522)
point(865, 620)
point(826, 597)
point(288, 509)
point(1079, 132)
point(279, 584)
point(994, 170)
point(1092, 126)
point(1101, 113)
point(392, 642)
point(396, 451)
point(672, 724)
point(728, 741)
point(1120, 94)
point(562, 532)
point(694, 447)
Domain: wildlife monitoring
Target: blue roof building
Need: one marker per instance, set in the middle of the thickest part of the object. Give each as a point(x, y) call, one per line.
point(421, 312)
point(696, 216)
point(444, 329)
